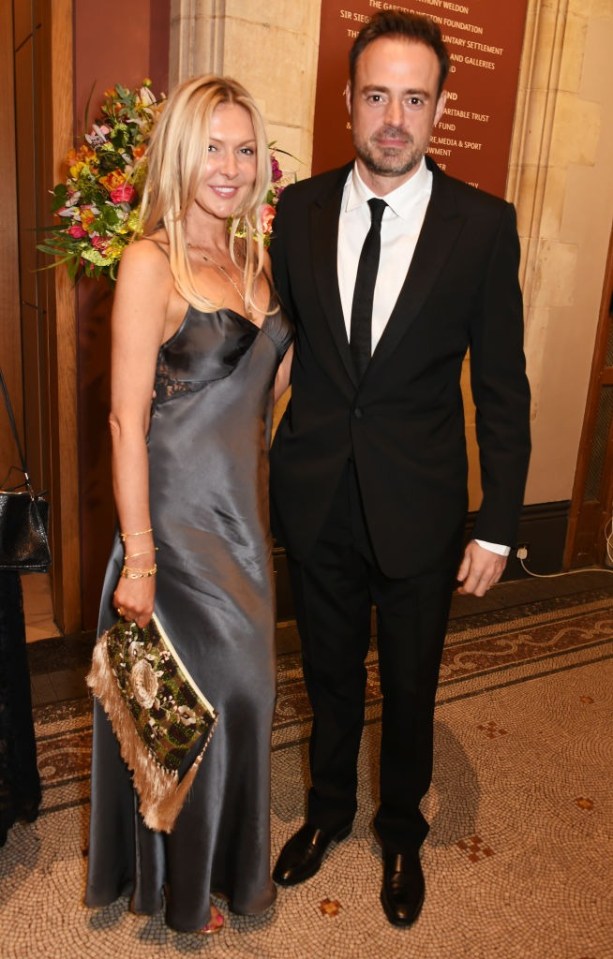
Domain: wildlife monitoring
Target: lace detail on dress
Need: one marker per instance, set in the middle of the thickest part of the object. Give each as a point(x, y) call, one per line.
point(166, 386)
point(205, 348)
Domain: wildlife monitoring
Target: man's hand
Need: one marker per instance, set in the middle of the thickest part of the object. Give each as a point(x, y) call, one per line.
point(479, 569)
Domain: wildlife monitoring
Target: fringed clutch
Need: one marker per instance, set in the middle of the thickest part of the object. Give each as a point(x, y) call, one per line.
point(162, 720)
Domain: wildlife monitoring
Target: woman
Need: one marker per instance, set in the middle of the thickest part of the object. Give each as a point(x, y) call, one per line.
point(196, 325)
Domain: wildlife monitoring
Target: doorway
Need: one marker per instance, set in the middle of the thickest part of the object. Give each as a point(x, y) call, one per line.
point(37, 338)
point(590, 532)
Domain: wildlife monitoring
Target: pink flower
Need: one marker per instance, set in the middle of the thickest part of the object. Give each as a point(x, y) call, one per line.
point(99, 242)
point(76, 231)
point(277, 172)
point(266, 216)
point(123, 194)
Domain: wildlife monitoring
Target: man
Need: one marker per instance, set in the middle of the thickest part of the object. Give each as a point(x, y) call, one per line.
point(369, 468)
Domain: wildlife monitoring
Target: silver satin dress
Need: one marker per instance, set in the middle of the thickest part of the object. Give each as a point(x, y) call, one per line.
point(208, 465)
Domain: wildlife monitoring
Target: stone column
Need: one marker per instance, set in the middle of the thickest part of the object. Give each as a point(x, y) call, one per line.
point(560, 180)
point(270, 47)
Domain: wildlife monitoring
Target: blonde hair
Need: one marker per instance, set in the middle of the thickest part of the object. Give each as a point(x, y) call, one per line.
point(176, 157)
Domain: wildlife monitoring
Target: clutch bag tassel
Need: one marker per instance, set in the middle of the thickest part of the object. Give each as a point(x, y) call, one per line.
point(157, 714)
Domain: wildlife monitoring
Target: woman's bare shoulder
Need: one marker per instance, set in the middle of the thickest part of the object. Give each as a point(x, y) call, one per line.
point(147, 257)
point(158, 239)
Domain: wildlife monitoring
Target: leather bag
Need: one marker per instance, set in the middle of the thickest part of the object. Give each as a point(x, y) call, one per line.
point(24, 515)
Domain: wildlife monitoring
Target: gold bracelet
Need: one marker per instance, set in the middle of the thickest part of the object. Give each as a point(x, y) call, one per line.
point(140, 532)
point(144, 552)
point(129, 572)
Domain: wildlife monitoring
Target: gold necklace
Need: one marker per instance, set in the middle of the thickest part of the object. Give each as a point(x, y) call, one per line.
point(222, 269)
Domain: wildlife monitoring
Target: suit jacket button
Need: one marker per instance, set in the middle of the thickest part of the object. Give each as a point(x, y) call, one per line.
point(358, 413)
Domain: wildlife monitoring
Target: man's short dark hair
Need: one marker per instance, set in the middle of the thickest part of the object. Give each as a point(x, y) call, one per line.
point(407, 26)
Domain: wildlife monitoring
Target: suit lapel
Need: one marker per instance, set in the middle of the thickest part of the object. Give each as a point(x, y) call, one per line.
point(441, 227)
point(324, 217)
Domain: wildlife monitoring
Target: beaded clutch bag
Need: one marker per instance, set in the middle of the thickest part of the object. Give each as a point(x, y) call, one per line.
point(162, 720)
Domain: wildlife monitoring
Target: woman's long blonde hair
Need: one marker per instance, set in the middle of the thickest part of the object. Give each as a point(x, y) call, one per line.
point(177, 155)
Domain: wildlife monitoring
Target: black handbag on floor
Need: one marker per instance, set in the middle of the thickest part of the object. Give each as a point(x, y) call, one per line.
point(24, 516)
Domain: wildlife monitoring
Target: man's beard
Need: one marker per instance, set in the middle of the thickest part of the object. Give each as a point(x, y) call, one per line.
point(389, 161)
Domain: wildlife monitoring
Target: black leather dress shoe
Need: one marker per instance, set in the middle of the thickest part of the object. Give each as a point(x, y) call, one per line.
point(302, 855)
point(404, 888)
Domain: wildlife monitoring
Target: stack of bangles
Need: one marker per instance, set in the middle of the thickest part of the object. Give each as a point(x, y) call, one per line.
point(136, 572)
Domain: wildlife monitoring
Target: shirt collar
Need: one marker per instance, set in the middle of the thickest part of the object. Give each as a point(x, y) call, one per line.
point(401, 200)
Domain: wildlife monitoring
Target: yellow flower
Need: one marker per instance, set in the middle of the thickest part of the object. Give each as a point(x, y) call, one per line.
point(133, 222)
point(77, 169)
point(115, 249)
point(87, 218)
point(112, 180)
point(83, 154)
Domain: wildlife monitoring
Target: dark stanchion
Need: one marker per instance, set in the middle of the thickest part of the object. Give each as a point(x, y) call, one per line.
point(20, 792)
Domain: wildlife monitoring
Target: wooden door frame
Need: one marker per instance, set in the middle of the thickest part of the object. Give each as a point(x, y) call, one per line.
point(61, 305)
point(10, 325)
point(56, 98)
point(588, 519)
point(54, 76)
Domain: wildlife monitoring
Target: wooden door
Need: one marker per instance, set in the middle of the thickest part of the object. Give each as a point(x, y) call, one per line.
point(37, 319)
point(590, 537)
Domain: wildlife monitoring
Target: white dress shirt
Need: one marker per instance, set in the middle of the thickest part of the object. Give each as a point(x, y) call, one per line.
point(400, 228)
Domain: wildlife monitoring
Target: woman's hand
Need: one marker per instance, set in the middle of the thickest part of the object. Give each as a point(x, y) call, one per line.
point(134, 598)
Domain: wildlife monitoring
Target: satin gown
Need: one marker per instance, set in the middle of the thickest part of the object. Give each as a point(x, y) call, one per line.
point(208, 465)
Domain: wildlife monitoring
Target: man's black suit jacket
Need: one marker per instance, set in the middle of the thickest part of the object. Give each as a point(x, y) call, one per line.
point(403, 424)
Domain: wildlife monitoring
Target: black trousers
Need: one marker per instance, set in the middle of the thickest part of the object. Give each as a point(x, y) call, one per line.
point(333, 594)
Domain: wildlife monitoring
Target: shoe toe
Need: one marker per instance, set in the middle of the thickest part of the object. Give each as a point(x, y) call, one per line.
point(303, 854)
point(403, 890)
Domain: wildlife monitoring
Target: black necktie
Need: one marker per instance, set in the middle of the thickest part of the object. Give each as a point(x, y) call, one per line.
point(363, 294)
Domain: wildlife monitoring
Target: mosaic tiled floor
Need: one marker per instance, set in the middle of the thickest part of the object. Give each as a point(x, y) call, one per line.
point(520, 855)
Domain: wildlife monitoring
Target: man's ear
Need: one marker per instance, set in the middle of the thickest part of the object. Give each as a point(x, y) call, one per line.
point(348, 97)
point(440, 106)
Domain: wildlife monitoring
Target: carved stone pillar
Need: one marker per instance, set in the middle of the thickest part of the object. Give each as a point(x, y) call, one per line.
point(271, 48)
point(559, 179)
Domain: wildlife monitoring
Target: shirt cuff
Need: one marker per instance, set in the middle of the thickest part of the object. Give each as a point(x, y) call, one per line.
point(494, 547)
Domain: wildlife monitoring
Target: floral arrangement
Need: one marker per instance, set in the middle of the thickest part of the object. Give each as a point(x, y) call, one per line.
point(278, 181)
point(98, 204)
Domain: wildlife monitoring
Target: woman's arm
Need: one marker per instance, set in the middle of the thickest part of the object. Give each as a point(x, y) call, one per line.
point(283, 377)
point(138, 328)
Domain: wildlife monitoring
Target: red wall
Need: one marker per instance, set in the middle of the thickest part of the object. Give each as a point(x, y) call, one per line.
point(473, 139)
point(118, 41)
